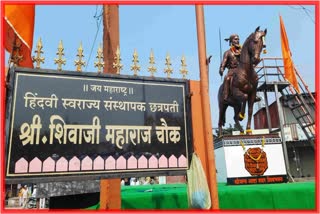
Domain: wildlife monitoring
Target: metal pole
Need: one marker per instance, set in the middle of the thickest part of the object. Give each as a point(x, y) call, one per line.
point(204, 88)
point(281, 121)
point(267, 110)
point(110, 189)
point(111, 38)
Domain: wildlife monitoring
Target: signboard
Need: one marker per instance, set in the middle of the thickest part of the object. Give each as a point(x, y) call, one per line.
point(76, 124)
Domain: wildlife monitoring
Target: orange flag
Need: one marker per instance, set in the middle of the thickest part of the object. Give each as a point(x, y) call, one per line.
point(18, 29)
point(289, 71)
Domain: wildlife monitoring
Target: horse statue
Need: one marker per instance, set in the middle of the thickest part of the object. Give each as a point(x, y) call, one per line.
point(243, 85)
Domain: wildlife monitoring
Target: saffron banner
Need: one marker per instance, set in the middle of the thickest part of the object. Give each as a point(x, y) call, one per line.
point(18, 29)
point(289, 71)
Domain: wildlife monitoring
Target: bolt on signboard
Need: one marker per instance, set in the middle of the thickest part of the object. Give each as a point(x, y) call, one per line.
point(62, 125)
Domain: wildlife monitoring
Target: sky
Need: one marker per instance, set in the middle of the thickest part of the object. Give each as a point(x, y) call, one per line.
point(171, 29)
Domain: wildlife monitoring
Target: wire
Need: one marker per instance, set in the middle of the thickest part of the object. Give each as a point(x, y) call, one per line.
point(294, 7)
point(97, 17)
point(306, 10)
point(98, 21)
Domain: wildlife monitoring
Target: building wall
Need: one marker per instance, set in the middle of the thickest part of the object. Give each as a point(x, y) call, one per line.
point(175, 179)
point(307, 165)
point(301, 155)
point(260, 117)
point(301, 159)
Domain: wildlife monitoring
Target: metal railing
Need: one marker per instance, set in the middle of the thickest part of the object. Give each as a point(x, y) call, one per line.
point(302, 104)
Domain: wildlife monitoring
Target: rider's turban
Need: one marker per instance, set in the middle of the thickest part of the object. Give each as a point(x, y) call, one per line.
point(232, 36)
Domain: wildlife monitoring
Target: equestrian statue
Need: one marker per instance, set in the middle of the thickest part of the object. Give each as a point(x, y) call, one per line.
point(240, 83)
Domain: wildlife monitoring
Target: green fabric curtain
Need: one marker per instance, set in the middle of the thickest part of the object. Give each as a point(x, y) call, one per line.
point(295, 196)
point(300, 195)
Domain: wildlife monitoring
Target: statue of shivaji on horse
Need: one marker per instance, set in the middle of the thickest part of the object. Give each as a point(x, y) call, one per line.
point(240, 84)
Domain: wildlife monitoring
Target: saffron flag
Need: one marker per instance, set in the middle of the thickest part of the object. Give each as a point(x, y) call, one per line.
point(289, 71)
point(18, 30)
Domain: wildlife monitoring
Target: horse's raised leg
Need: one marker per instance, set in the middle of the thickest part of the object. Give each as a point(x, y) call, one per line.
point(241, 98)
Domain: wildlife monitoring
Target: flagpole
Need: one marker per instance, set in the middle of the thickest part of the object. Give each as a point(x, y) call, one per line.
point(204, 88)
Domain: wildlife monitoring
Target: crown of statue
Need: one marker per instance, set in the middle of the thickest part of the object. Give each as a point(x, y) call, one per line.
point(232, 36)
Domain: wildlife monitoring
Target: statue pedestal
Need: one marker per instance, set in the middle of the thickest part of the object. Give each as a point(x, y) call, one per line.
point(250, 159)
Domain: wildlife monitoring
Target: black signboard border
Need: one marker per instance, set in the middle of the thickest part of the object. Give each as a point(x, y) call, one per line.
point(10, 84)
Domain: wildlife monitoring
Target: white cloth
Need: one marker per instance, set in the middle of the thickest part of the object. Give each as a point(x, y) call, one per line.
point(42, 203)
point(133, 181)
point(25, 193)
point(34, 193)
point(25, 196)
point(162, 179)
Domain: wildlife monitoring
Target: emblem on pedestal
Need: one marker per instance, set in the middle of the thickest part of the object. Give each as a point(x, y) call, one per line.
point(255, 160)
